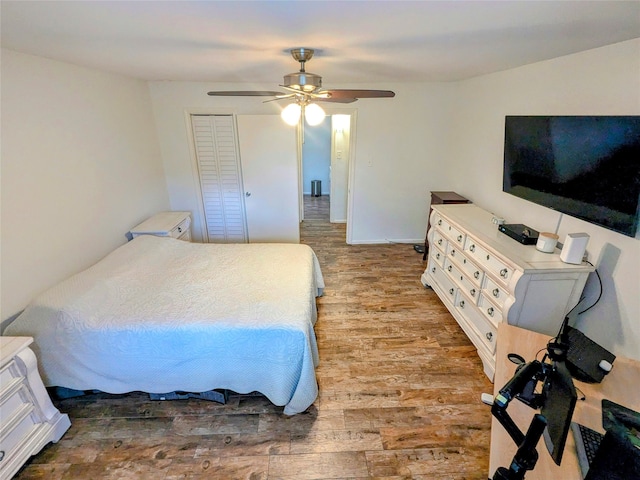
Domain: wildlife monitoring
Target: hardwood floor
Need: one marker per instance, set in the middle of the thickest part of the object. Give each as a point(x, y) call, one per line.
point(399, 398)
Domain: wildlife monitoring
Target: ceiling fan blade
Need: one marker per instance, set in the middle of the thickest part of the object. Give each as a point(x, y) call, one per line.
point(339, 93)
point(244, 93)
point(280, 97)
point(336, 100)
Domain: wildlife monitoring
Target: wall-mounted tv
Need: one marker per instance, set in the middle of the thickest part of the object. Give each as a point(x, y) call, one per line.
point(585, 166)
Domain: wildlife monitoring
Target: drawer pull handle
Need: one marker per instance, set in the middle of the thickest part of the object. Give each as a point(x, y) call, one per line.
point(488, 257)
point(451, 291)
point(489, 336)
point(439, 241)
point(433, 269)
point(496, 292)
point(472, 248)
point(459, 238)
point(439, 222)
point(490, 311)
point(437, 256)
point(179, 229)
point(453, 253)
point(476, 274)
point(473, 292)
point(503, 273)
point(461, 303)
point(449, 268)
point(1, 454)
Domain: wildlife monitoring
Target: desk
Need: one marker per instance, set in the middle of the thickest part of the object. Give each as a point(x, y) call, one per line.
point(619, 386)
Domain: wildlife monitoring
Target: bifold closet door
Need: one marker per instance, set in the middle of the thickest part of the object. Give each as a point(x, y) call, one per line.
point(269, 159)
point(220, 178)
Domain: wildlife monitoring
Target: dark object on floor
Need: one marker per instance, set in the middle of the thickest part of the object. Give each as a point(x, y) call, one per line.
point(212, 395)
point(419, 248)
point(63, 393)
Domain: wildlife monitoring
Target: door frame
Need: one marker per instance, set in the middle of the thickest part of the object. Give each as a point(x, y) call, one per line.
point(353, 114)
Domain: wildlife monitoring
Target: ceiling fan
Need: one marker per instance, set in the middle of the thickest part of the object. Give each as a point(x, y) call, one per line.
point(304, 88)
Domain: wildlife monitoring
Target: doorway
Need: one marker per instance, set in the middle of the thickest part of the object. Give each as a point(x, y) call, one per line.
point(326, 159)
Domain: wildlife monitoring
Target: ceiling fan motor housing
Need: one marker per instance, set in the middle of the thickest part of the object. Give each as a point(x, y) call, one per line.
point(305, 81)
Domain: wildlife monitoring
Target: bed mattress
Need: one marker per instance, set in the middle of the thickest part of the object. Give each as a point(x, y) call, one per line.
point(159, 315)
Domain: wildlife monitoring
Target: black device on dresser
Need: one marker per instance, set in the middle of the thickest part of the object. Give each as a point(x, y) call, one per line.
point(519, 232)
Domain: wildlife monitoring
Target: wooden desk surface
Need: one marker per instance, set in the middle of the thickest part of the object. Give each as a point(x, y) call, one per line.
point(619, 386)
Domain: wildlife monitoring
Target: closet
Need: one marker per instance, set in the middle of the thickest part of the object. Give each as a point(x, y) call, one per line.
point(248, 170)
point(220, 178)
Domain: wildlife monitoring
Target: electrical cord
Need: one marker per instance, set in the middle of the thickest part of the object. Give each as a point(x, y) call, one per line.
point(599, 296)
point(582, 298)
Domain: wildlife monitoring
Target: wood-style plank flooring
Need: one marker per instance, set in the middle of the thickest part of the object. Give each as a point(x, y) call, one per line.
point(399, 398)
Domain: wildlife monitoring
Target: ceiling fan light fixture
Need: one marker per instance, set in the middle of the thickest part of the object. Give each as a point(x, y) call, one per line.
point(291, 114)
point(314, 114)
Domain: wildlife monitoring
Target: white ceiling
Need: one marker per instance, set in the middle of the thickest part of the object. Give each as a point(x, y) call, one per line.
point(356, 41)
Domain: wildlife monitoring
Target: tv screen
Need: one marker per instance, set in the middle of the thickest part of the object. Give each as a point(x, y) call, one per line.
point(585, 166)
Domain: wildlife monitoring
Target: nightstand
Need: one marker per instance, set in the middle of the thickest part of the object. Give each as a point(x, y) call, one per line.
point(440, 198)
point(166, 224)
point(28, 419)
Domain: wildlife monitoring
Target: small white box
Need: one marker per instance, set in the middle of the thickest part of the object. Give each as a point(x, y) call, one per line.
point(574, 247)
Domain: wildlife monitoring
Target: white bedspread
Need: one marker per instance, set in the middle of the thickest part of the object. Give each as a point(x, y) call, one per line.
point(159, 315)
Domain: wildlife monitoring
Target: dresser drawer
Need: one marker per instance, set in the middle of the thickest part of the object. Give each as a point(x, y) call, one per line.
point(488, 262)
point(439, 240)
point(495, 292)
point(444, 282)
point(451, 232)
point(474, 273)
point(491, 312)
point(438, 257)
point(484, 331)
point(461, 279)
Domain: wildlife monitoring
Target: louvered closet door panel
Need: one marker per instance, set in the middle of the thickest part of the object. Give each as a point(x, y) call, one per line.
point(220, 178)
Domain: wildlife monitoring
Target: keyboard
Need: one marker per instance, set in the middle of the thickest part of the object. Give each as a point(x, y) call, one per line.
point(587, 443)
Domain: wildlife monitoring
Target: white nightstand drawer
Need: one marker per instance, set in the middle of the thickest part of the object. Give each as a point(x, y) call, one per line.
point(19, 428)
point(9, 375)
point(182, 230)
point(11, 405)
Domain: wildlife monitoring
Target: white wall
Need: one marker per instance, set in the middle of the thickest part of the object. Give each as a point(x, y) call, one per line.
point(399, 152)
point(80, 167)
point(604, 81)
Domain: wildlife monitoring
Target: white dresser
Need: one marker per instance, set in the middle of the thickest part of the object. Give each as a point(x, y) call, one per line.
point(485, 277)
point(28, 419)
point(166, 224)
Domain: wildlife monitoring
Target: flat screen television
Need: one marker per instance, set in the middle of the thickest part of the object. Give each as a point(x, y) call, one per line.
point(585, 166)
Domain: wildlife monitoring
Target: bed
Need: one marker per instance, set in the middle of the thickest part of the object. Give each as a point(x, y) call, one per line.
point(161, 315)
